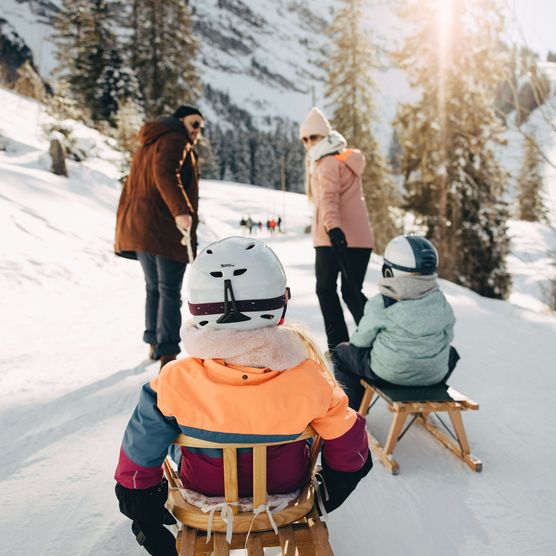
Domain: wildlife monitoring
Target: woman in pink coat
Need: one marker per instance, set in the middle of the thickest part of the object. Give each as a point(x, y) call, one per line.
point(342, 235)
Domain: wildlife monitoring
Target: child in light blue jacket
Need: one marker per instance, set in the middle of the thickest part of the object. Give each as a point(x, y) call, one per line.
point(405, 334)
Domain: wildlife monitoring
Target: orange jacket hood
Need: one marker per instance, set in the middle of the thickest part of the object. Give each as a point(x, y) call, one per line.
point(353, 159)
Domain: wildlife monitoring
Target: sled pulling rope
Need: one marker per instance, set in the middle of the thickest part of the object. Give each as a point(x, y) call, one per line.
point(186, 240)
point(420, 402)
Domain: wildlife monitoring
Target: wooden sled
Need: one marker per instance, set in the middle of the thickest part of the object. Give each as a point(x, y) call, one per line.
point(300, 530)
point(420, 402)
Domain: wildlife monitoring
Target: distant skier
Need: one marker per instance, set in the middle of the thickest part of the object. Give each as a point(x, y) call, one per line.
point(405, 334)
point(249, 224)
point(247, 378)
point(279, 223)
point(342, 236)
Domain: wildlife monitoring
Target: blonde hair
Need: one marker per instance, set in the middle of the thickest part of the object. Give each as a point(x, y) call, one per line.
point(311, 347)
point(308, 191)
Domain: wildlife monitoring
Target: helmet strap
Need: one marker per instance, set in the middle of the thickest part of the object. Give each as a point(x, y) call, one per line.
point(231, 310)
point(288, 297)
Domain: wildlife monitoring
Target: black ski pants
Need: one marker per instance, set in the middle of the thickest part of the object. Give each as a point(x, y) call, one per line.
point(351, 363)
point(164, 278)
point(327, 268)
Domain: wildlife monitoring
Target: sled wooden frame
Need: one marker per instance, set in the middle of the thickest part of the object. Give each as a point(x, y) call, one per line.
point(407, 401)
point(300, 530)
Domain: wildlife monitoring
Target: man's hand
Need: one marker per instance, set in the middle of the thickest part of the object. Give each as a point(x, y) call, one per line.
point(184, 221)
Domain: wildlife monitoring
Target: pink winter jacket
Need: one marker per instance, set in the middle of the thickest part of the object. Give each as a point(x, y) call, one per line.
point(337, 192)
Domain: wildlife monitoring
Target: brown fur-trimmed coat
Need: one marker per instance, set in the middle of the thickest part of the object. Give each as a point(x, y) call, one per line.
point(163, 183)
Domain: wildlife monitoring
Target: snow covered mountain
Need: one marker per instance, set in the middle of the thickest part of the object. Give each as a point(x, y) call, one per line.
point(265, 54)
point(72, 363)
point(261, 56)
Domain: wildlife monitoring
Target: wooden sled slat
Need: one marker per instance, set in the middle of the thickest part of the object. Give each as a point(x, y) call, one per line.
point(405, 401)
point(298, 533)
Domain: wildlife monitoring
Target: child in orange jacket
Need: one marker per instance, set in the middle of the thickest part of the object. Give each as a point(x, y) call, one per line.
point(247, 380)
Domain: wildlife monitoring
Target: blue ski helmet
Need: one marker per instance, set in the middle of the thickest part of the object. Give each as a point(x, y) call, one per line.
point(409, 255)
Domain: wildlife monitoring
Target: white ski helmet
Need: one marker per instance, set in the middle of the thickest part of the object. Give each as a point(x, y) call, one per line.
point(237, 283)
point(409, 255)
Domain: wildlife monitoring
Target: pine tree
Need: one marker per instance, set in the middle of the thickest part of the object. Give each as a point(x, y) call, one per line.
point(266, 167)
point(163, 49)
point(217, 141)
point(29, 82)
point(349, 89)
point(240, 162)
point(452, 177)
point(128, 122)
point(90, 60)
point(531, 184)
point(208, 163)
point(295, 162)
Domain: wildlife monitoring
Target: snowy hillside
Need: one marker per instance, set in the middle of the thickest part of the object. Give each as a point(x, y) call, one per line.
point(72, 363)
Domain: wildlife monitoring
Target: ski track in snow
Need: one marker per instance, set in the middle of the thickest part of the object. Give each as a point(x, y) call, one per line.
point(72, 364)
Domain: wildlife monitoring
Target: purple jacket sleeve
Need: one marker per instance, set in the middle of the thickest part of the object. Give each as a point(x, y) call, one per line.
point(348, 452)
point(145, 444)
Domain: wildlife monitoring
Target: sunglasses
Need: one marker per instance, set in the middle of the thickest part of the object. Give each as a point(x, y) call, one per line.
point(197, 125)
point(310, 138)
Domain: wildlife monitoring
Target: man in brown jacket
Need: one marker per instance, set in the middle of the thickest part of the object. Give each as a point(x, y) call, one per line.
point(159, 200)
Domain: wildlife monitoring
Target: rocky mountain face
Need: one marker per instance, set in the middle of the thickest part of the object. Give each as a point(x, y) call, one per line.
point(262, 57)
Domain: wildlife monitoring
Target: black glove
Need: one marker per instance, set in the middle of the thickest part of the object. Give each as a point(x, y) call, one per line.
point(337, 238)
point(145, 507)
point(339, 484)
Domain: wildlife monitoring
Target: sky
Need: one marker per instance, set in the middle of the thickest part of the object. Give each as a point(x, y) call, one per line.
point(536, 24)
point(528, 22)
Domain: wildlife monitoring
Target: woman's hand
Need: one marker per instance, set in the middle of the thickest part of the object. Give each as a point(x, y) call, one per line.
point(337, 238)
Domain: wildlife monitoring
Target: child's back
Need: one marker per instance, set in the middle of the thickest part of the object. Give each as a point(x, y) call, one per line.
point(405, 333)
point(248, 380)
point(410, 338)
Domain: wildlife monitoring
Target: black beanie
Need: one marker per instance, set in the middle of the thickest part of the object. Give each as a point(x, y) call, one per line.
point(185, 110)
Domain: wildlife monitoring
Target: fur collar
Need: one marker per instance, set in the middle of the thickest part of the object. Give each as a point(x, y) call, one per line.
point(273, 347)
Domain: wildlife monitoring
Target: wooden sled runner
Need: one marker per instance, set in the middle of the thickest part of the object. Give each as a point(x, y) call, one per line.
point(419, 403)
point(300, 530)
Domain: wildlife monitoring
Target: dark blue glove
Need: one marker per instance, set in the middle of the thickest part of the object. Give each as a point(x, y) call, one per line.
point(339, 484)
point(337, 238)
point(145, 507)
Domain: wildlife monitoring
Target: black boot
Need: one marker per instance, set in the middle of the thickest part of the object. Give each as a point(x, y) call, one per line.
point(152, 350)
point(166, 359)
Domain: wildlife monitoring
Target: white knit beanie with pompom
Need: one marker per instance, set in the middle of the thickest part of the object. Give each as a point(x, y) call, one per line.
point(314, 124)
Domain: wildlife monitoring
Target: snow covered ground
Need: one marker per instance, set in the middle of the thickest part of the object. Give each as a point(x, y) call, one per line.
point(72, 363)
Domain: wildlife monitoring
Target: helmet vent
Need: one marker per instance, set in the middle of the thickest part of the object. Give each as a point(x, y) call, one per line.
point(240, 271)
point(203, 322)
point(250, 246)
point(209, 251)
point(216, 274)
point(268, 317)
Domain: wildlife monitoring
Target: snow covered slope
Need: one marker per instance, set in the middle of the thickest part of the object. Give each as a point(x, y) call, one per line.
point(72, 363)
